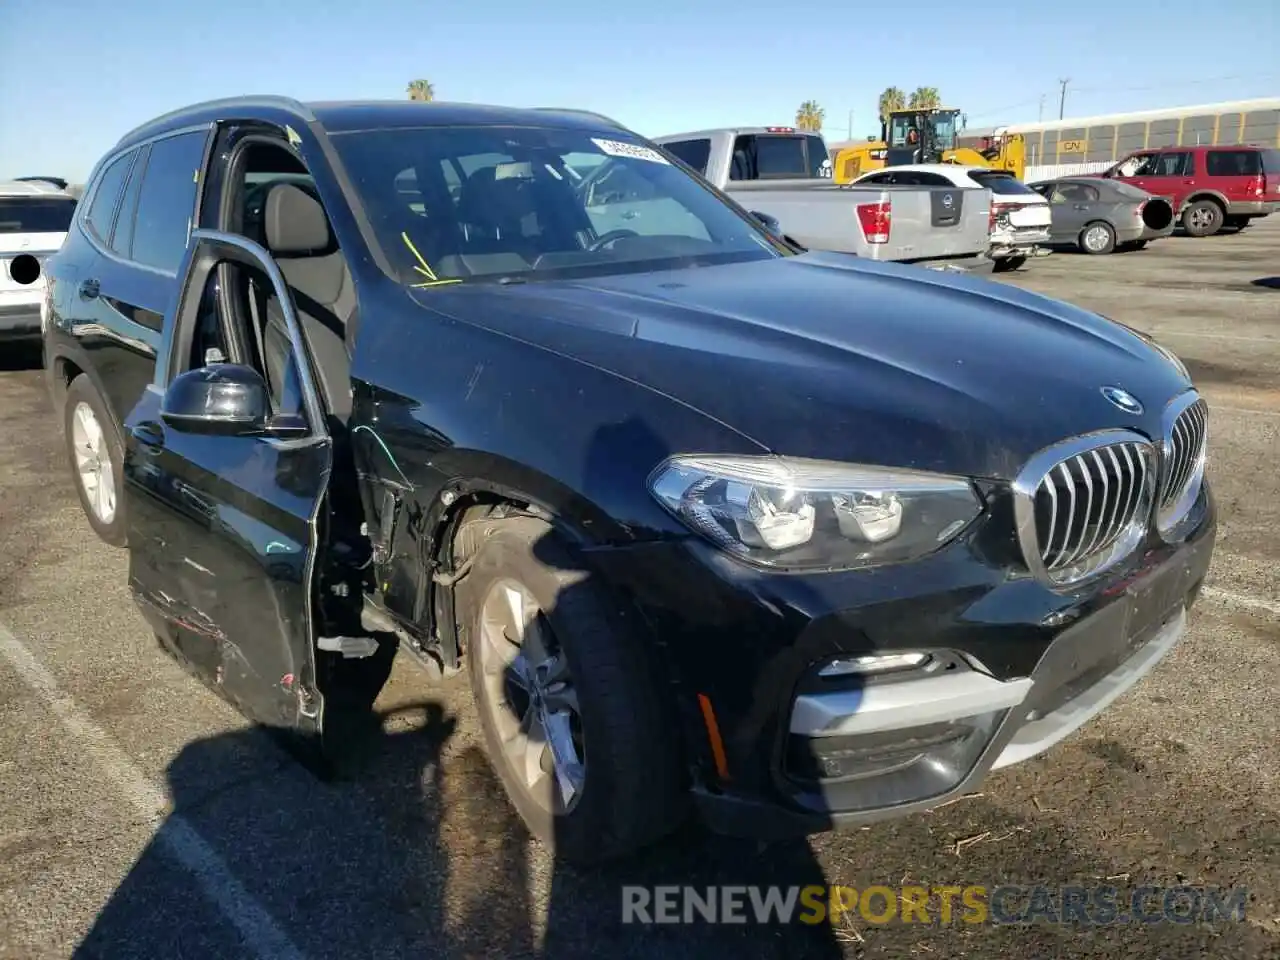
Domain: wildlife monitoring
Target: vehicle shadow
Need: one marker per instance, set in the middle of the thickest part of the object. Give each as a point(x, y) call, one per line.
point(21, 356)
point(1270, 283)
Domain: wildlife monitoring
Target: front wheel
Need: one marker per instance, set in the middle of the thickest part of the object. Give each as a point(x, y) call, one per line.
point(574, 720)
point(97, 460)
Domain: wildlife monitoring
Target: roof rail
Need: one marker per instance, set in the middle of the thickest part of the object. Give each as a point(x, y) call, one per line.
point(583, 113)
point(164, 120)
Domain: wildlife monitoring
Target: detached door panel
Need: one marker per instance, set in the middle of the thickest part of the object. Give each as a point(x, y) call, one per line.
point(223, 534)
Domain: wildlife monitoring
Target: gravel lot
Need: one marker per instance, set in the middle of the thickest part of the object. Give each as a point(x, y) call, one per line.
point(140, 816)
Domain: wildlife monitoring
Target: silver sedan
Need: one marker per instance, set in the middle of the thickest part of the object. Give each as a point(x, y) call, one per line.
point(1101, 216)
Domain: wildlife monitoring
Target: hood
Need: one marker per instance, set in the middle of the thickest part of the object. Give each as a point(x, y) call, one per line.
point(827, 356)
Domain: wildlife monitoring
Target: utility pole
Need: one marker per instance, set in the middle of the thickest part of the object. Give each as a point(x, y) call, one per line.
point(850, 124)
point(1041, 116)
point(1062, 101)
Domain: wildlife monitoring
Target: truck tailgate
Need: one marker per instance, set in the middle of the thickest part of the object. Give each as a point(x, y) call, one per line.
point(880, 222)
point(927, 223)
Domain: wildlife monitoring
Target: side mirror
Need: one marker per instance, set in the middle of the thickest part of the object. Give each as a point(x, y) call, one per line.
point(769, 223)
point(221, 399)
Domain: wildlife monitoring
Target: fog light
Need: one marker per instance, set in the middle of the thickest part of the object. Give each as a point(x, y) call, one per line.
point(892, 767)
point(874, 664)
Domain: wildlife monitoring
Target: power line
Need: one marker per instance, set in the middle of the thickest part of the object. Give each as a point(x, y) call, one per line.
point(1176, 84)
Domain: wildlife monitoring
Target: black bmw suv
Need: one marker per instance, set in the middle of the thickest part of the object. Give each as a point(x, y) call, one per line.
point(711, 522)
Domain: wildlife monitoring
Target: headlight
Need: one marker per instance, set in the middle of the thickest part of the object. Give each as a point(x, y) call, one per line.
point(813, 514)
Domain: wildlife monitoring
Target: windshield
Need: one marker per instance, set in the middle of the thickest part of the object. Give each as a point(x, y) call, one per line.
point(944, 131)
point(35, 214)
point(1001, 183)
point(531, 203)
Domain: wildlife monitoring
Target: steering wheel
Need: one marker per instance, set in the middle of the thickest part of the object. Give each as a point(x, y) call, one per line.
point(613, 236)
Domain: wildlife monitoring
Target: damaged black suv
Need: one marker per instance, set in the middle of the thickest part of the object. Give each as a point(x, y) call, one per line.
point(711, 522)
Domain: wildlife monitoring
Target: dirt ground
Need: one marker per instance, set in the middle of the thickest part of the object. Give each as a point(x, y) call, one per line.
point(140, 816)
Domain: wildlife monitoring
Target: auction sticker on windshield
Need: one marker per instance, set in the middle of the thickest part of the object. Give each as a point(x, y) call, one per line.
point(616, 148)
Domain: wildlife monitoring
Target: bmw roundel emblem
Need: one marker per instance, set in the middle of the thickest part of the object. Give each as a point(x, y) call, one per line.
point(948, 201)
point(1123, 399)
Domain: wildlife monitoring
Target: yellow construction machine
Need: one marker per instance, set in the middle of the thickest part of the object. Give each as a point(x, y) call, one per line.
point(929, 136)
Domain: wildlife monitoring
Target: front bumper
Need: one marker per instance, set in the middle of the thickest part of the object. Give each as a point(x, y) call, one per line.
point(1021, 668)
point(20, 321)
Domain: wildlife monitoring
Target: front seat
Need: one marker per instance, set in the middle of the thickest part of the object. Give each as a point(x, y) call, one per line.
point(298, 237)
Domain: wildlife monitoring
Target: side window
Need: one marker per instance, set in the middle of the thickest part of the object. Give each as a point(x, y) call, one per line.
point(122, 239)
point(1139, 165)
point(1233, 163)
point(932, 180)
point(167, 201)
point(1172, 165)
point(105, 195)
point(819, 159)
point(695, 153)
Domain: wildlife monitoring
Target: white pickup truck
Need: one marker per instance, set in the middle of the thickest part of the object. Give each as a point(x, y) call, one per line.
point(784, 175)
point(1020, 217)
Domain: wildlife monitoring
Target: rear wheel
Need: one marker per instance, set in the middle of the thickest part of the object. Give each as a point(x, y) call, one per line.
point(1097, 238)
point(1203, 218)
point(574, 721)
point(97, 460)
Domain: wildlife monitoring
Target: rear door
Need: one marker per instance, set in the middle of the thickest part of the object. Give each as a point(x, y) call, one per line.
point(1236, 174)
point(1173, 174)
point(1072, 205)
point(224, 530)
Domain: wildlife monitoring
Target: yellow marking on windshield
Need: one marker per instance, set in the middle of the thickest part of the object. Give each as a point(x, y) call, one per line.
point(424, 268)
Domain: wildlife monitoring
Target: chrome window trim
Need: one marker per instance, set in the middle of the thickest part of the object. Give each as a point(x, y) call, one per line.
point(1027, 482)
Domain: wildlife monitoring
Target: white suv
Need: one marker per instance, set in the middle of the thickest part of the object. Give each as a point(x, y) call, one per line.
point(34, 217)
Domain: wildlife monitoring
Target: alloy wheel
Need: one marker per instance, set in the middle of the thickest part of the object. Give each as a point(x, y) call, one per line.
point(1095, 238)
point(529, 694)
point(94, 469)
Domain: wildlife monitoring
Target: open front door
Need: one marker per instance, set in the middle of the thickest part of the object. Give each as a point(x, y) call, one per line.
point(225, 479)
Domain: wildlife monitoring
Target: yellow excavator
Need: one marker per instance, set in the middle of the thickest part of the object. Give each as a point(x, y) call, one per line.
point(929, 136)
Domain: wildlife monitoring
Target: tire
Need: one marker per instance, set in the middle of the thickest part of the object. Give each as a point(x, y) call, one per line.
point(84, 410)
point(1203, 218)
point(624, 743)
point(1097, 238)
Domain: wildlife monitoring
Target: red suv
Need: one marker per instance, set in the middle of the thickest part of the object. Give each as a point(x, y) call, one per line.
point(1211, 187)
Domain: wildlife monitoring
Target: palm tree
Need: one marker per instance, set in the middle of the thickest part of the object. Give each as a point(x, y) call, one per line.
point(810, 116)
point(891, 101)
point(925, 98)
point(421, 90)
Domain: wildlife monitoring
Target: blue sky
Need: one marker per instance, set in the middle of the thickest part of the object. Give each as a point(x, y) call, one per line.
point(75, 74)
